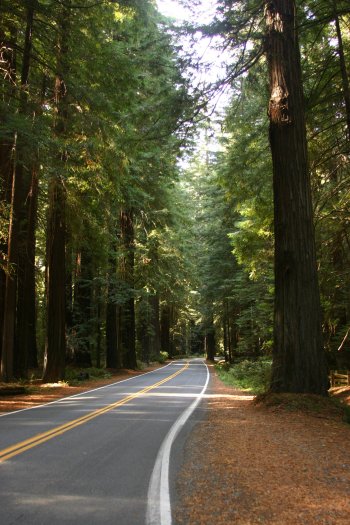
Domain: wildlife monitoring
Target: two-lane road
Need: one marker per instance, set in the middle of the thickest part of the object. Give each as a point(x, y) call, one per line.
point(101, 457)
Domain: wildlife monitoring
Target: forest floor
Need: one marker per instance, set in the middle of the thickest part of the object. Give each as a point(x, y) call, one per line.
point(39, 393)
point(284, 461)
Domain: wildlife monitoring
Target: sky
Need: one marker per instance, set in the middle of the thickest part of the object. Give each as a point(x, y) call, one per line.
point(172, 9)
point(204, 10)
point(213, 59)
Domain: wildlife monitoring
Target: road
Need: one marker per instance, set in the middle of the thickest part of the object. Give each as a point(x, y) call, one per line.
point(101, 457)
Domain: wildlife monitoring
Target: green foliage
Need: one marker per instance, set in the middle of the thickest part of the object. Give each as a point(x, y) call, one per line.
point(253, 376)
point(72, 374)
point(164, 356)
point(203, 233)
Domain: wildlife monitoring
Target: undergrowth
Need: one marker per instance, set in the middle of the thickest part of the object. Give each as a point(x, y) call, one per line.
point(75, 375)
point(253, 376)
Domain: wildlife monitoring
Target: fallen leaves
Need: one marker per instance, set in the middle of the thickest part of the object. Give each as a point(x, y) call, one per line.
point(247, 465)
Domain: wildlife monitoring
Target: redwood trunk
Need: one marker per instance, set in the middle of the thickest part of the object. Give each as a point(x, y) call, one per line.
point(210, 346)
point(343, 70)
point(155, 323)
point(127, 310)
point(165, 328)
point(55, 350)
point(298, 355)
point(26, 217)
point(8, 256)
point(113, 357)
point(113, 350)
point(82, 310)
point(26, 353)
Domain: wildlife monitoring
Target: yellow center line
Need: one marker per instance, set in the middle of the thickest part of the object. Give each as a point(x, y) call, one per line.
point(22, 446)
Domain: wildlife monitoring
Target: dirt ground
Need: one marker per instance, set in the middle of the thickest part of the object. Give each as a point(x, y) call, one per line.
point(45, 393)
point(249, 464)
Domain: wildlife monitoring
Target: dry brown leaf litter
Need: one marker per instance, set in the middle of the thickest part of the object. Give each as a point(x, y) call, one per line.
point(249, 465)
point(46, 392)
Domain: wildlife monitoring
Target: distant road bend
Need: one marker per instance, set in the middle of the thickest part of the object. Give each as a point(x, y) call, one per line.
point(100, 457)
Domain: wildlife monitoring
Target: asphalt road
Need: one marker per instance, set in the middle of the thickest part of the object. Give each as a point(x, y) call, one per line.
point(101, 457)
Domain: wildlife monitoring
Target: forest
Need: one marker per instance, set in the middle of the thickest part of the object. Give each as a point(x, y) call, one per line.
point(139, 220)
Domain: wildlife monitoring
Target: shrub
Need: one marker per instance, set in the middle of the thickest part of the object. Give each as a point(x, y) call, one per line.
point(248, 375)
point(164, 356)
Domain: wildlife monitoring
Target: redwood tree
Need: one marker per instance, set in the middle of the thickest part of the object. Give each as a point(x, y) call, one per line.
point(55, 351)
point(298, 355)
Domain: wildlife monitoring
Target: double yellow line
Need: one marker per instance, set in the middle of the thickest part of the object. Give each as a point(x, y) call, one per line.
point(22, 446)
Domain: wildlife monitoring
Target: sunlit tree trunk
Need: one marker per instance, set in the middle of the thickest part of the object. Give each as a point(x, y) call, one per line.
point(298, 355)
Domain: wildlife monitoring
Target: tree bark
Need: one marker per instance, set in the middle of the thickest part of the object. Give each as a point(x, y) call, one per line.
point(82, 310)
point(7, 195)
point(113, 346)
point(113, 355)
point(210, 344)
point(155, 323)
point(343, 70)
point(9, 319)
point(55, 350)
point(165, 328)
point(26, 353)
point(298, 355)
point(27, 176)
point(127, 310)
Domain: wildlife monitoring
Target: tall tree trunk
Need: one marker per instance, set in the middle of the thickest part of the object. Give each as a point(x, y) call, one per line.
point(143, 329)
point(6, 176)
point(155, 324)
point(225, 330)
point(298, 355)
point(7, 195)
point(55, 350)
point(127, 273)
point(7, 356)
point(27, 176)
point(344, 73)
point(113, 345)
point(165, 328)
point(210, 344)
point(113, 354)
point(26, 355)
point(82, 310)
point(99, 331)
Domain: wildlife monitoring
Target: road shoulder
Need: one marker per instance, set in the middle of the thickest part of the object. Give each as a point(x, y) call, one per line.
point(247, 465)
point(39, 394)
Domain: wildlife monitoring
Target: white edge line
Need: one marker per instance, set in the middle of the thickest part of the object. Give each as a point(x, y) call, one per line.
point(158, 499)
point(85, 392)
